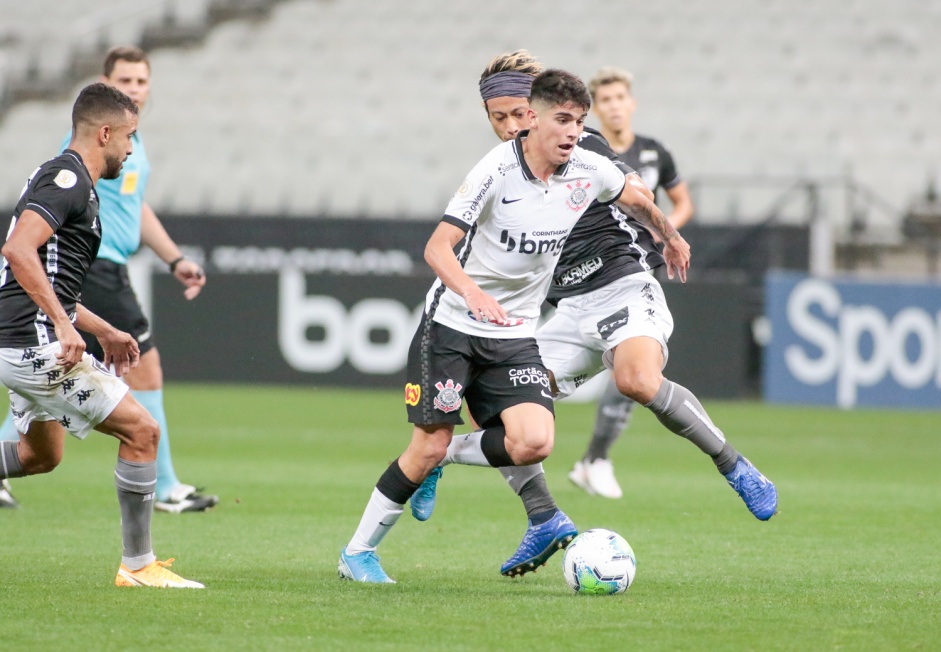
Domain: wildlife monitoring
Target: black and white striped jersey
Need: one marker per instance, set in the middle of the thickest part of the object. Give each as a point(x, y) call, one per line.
point(606, 244)
point(62, 193)
point(517, 226)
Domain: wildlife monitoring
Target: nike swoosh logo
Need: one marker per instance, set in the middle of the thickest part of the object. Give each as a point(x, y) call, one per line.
point(510, 201)
point(546, 395)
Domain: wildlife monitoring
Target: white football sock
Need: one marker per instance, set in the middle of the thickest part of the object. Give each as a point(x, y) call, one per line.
point(465, 449)
point(378, 518)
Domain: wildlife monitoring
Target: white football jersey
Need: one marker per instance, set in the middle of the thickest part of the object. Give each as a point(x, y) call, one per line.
point(516, 227)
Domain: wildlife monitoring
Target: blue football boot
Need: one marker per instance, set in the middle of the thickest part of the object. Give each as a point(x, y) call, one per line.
point(756, 490)
point(362, 567)
point(539, 543)
point(422, 502)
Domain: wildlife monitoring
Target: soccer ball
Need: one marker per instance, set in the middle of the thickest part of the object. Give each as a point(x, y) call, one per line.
point(599, 562)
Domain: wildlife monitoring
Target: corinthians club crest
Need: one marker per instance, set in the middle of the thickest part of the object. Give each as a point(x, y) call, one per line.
point(579, 195)
point(449, 396)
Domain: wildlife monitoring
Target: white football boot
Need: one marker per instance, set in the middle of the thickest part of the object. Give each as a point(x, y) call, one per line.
point(596, 478)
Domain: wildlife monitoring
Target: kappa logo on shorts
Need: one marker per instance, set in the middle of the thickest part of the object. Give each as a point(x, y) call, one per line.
point(611, 323)
point(412, 394)
point(83, 395)
point(449, 396)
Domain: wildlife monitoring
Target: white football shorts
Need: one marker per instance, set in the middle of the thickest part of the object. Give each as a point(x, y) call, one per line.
point(41, 391)
point(578, 341)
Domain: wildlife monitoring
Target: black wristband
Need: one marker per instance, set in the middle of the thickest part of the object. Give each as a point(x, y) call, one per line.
point(176, 262)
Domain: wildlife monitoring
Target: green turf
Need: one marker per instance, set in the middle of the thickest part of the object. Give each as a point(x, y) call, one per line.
point(852, 562)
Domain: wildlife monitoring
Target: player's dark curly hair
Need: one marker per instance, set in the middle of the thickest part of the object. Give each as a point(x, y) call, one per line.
point(98, 104)
point(556, 87)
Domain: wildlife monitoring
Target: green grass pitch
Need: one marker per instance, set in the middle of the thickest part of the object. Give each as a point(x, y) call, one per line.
point(851, 562)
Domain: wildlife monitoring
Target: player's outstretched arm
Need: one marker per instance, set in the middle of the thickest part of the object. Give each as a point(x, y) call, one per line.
point(675, 248)
point(153, 235)
point(640, 206)
point(120, 348)
point(439, 254)
point(634, 179)
point(22, 253)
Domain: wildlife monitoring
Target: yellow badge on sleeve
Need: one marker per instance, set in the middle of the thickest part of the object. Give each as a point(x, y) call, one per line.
point(129, 183)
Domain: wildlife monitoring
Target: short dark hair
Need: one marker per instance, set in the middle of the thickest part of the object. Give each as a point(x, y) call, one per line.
point(130, 53)
point(99, 103)
point(555, 87)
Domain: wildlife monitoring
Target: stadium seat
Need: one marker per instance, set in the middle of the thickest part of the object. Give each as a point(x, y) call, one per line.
point(338, 92)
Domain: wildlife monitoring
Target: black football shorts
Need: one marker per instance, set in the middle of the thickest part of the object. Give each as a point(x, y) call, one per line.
point(107, 292)
point(447, 367)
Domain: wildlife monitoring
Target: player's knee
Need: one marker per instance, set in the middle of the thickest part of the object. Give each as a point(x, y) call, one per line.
point(537, 455)
point(42, 462)
point(434, 452)
point(151, 430)
point(534, 445)
point(639, 383)
point(428, 448)
point(146, 435)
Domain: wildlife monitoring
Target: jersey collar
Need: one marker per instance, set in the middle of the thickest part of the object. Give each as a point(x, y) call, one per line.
point(75, 155)
point(81, 163)
point(518, 150)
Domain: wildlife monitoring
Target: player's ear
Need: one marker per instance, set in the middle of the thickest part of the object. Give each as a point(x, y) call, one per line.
point(104, 134)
